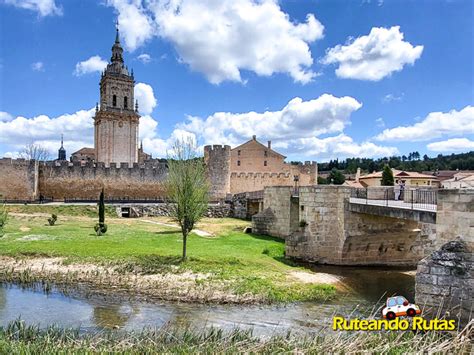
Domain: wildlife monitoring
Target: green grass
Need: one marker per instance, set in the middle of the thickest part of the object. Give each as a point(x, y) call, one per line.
point(65, 210)
point(248, 263)
point(18, 338)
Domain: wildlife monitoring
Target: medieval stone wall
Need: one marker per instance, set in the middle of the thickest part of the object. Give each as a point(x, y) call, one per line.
point(279, 217)
point(255, 181)
point(445, 282)
point(455, 216)
point(85, 182)
point(18, 179)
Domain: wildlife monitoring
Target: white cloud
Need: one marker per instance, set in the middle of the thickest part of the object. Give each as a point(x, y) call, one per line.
point(42, 7)
point(5, 116)
point(222, 38)
point(91, 65)
point(294, 130)
point(380, 122)
point(144, 58)
point(38, 66)
point(373, 57)
point(22, 130)
point(298, 119)
point(392, 97)
point(339, 146)
point(435, 125)
point(452, 145)
point(146, 98)
point(135, 25)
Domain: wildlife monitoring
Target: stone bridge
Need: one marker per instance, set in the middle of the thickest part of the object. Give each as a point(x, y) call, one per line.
point(327, 224)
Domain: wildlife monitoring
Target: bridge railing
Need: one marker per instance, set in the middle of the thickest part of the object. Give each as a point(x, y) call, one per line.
point(409, 198)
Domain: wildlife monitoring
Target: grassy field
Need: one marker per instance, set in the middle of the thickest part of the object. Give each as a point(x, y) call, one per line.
point(249, 263)
point(17, 338)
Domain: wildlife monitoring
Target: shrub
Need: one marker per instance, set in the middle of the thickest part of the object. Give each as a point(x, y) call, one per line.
point(52, 220)
point(100, 229)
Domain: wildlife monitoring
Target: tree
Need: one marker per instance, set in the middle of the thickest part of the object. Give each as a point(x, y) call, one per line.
point(387, 176)
point(336, 177)
point(186, 187)
point(101, 228)
point(3, 218)
point(34, 152)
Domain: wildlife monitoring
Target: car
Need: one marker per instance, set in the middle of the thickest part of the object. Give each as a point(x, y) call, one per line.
point(399, 306)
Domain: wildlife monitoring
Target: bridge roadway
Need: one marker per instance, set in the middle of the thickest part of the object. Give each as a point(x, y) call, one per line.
point(420, 212)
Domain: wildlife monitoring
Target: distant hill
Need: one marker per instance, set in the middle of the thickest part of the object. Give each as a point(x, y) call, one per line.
point(412, 162)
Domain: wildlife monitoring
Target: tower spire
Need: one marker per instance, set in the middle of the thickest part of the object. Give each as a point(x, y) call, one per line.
point(62, 140)
point(117, 35)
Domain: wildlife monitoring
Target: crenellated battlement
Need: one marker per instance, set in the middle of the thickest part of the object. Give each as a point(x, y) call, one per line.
point(260, 175)
point(216, 148)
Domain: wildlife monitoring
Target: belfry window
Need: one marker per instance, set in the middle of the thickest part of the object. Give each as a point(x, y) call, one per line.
point(114, 100)
point(238, 162)
point(125, 102)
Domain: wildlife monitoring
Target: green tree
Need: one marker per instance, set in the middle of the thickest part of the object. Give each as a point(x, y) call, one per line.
point(101, 227)
point(387, 176)
point(336, 177)
point(186, 187)
point(3, 218)
point(322, 181)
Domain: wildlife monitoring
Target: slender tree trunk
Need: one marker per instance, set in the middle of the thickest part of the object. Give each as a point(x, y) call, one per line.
point(185, 237)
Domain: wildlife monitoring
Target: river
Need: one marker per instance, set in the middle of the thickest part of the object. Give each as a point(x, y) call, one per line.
point(92, 312)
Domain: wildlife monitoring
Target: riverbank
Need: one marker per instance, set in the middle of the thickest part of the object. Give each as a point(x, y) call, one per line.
point(19, 338)
point(224, 265)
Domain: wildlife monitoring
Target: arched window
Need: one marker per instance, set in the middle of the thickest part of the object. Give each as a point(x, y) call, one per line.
point(114, 100)
point(125, 102)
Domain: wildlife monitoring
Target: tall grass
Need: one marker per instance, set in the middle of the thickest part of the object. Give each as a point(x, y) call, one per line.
point(19, 338)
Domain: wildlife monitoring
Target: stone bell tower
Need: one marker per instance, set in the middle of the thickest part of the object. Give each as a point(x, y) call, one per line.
point(116, 119)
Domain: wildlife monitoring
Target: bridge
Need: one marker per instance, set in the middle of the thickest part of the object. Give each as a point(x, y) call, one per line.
point(414, 204)
point(345, 226)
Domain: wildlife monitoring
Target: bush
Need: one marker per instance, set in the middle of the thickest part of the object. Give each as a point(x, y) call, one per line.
point(100, 228)
point(3, 218)
point(52, 220)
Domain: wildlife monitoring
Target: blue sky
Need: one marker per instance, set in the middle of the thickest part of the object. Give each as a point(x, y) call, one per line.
point(322, 79)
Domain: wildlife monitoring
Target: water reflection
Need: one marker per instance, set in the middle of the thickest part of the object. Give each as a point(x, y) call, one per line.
point(94, 312)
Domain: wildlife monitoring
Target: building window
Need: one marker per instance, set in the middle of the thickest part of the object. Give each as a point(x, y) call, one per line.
point(265, 163)
point(302, 208)
point(238, 153)
point(125, 102)
point(238, 162)
point(265, 154)
point(114, 100)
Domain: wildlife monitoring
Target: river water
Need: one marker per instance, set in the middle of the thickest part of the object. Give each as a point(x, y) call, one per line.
point(365, 286)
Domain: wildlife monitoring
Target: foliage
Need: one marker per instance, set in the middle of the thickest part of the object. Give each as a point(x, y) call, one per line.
point(229, 257)
point(387, 176)
point(34, 152)
point(52, 220)
point(322, 181)
point(336, 177)
point(412, 162)
point(186, 187)
point(20, 338)
point(101, 228)
point(3, 218)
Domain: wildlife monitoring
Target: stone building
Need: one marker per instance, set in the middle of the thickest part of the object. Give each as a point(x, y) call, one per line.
point(252, 166)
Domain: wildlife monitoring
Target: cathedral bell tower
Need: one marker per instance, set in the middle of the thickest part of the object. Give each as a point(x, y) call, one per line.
point(116, 119)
